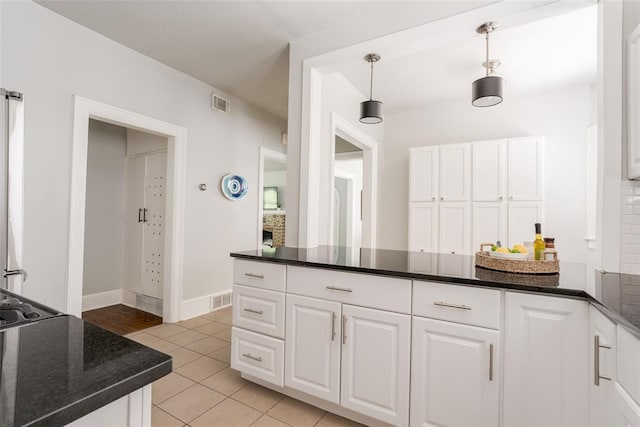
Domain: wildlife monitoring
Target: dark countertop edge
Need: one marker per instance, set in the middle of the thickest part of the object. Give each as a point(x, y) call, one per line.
point(567, 293)
point(90, 403)
point(575, 293)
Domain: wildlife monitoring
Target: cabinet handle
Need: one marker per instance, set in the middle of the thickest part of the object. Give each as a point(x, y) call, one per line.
point(490, 362)
point(446, 304)
point(249, 356)
point(441, 198)
point(500, 198)
point(510, 197)
point(433, 198)
point(250, 310)
point(596, 360)
point(335, 288)
point(344, 329)
point(333, 326)
point(257, 276)
point(139, 214)
point(144, 214)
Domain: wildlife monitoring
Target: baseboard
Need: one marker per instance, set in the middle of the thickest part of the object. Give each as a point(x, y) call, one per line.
point(195, 307)
point(101, 299)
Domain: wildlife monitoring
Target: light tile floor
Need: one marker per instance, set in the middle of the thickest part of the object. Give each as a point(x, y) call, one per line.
point(203, 391)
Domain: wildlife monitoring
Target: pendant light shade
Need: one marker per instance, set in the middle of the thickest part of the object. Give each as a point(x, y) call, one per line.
point(371, 110)
point(487, 91)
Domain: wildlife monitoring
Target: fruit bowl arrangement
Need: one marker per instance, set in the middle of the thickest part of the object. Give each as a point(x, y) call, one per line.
point(517, 252)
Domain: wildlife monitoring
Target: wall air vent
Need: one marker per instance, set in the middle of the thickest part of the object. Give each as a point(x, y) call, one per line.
point(220, 104)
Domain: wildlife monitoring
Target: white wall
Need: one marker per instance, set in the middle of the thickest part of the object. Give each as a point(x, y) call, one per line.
point(104, 224)
point(143, 142)
point(341, 97)
point(277, 179)
point(562, 117)
point(50, 59)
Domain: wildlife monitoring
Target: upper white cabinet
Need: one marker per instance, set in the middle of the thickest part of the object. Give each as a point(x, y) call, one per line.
point(489, 171)
point(455, 172)
point(423, 170)
point(455, 375)
point(525, 169)
point(521, 220)
point(545, 361)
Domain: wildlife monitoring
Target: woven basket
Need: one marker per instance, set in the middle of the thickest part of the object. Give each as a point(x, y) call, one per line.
point(523, 266)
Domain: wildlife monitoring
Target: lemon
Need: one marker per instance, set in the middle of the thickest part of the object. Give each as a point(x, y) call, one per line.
point(521, 249)
point(502, 250)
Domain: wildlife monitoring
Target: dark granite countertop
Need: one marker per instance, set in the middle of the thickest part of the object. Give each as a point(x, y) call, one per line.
point(59, 369)
point(616, 295)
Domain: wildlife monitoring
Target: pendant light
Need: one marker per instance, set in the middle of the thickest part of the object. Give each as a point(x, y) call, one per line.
point(487, 91)
point(371, 111)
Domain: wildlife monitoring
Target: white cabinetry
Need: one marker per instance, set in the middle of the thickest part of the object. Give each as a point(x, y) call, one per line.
point(257, 347)
point(423, 170)
point(602, 376)
point(626, 409)
point(496, 185)
point(132, 410)
point(455, 375)
point(545, 361)
point(375, 363)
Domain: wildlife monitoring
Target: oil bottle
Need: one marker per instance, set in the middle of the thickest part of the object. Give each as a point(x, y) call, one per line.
point(538, 244)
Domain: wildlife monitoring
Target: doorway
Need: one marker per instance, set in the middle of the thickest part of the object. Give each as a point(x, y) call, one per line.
point(175, 137)
point(271, 201)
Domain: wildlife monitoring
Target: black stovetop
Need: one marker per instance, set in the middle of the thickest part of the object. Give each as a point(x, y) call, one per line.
point(17, 310)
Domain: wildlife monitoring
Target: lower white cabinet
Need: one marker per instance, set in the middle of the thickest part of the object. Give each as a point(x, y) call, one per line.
point(132, 410)
point(626, 410)
point(455, 375)
point(375, 363)
point(313, 347)
point(602, 372)
point(258, 355)
point(545, 361)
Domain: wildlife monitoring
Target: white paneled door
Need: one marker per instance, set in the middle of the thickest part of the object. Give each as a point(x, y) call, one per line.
point(455, 375)
point(312, 346)
point(525, 169)
point(145, 217)
point(489, 171)
point(522, 217)
point(423, 170)
point(375, 363)
point(423, 226)
point(455, 172)
point(489, 223)
point(455, 228)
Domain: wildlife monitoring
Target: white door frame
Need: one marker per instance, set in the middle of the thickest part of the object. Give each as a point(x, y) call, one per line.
point(265, 153)
point(85, 109)
point(351, 218)
point(369, 146)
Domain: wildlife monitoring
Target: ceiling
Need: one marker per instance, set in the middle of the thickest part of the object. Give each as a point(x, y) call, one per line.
point(538, 56)
point(240, 47)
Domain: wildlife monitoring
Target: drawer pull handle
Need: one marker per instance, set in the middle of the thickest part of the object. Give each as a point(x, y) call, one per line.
point(335, 288)
point(250, 310)
point(490, 362)
point(596, 360)
point(446, 304)
point(249, 356)
point(257, 276)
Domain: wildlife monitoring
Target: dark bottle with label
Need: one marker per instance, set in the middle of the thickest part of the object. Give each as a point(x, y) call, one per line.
point(538, 244)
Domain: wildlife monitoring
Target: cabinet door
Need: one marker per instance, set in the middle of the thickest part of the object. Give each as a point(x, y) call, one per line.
point(155, 188)
point(134, 227)
point(522, 217)
point(423, 227)
point(312, 347)
point(489, 224)
point(423, 174)
point(454, 375)
point(455, 228)
point(489, 171)
point(602, 359)
point(525, 169)
point(455, 172)
point(626, 409)
point(545, 361)
point(375, 363)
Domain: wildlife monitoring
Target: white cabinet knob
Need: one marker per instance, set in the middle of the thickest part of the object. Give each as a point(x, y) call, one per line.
point(500, 198)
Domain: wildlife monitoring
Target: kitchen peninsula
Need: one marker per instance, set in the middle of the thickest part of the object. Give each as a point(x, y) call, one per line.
point(409, 338)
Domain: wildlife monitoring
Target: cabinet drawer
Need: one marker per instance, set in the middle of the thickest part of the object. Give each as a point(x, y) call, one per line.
point(455, 303)
point(258, 310)
point(258, 355)
point(386, 293)
point(265, 275)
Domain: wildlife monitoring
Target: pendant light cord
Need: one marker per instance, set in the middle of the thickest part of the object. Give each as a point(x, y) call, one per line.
point(371, 82)
point(486, 64)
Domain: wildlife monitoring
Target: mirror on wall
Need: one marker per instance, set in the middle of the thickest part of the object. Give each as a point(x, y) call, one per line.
point(347, 194)
point(272, 204)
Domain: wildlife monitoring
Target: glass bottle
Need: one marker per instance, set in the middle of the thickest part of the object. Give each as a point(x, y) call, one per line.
point(538, 244)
